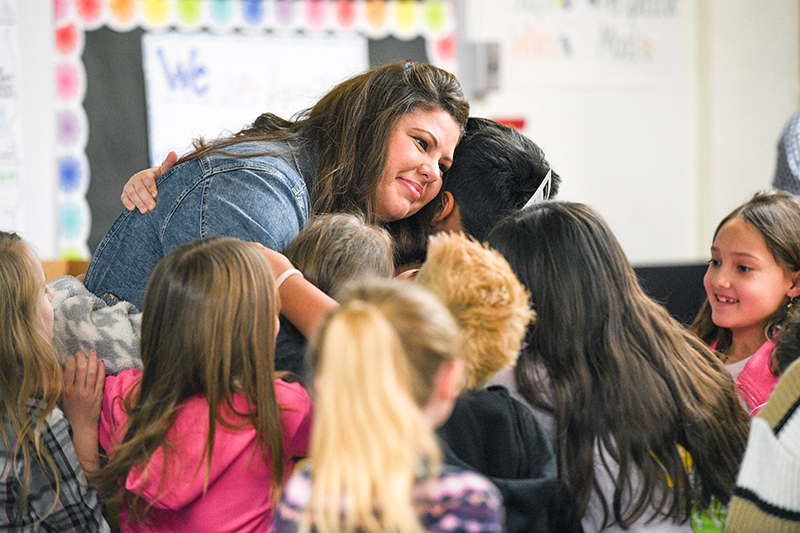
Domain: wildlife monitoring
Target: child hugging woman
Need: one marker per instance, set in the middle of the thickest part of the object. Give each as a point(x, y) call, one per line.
point(752, 284)
point(203, 438)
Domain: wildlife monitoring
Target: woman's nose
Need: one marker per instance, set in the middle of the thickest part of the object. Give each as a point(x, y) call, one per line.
point(430, 171)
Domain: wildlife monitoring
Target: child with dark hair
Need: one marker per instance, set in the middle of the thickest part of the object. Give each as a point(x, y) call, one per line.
point(648, 427)
point(496, 170)
point(752, 284)
point(787, 346)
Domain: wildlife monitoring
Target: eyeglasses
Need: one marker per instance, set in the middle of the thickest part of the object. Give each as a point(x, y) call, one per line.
point(542, 192)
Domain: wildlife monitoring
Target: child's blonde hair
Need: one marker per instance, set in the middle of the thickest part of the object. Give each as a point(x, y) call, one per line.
point(208, 327)
point(30, 380)
point(490, 304)
point(335, 248)
point(376, 358)
point(776, 216)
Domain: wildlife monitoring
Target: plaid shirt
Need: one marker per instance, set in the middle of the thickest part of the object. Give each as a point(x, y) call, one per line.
point(78, 508)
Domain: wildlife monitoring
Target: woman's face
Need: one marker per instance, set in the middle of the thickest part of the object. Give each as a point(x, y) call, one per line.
point(420, 148)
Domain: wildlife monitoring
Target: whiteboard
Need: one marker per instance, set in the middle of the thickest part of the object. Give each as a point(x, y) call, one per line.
point(205, 84)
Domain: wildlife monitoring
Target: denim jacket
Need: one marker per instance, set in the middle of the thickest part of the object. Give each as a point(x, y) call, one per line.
point(261, 198)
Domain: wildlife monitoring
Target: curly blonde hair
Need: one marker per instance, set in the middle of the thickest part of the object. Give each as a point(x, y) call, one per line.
point(489, 303)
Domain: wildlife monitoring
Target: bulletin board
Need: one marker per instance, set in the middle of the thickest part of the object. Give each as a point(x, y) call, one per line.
point(130, 72)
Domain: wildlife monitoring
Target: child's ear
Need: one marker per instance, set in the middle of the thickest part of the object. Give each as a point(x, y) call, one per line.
point(450, 380)
point(446, 388)
point(794, 291)
point(444, 209)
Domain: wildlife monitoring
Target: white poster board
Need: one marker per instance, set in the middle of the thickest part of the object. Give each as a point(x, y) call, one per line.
point(584, 43)
point(206, 84)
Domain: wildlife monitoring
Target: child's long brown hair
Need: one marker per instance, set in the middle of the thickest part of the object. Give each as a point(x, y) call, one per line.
point(208, 327)
point(625, 376)
point(30, 374)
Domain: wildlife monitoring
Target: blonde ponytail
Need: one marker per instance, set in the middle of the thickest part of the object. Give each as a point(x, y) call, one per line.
point(376, 360)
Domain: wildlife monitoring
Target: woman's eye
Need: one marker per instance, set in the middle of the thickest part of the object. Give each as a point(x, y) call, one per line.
point(713, 262)
point(422, 143)
point(743, 268)
point(443, 168)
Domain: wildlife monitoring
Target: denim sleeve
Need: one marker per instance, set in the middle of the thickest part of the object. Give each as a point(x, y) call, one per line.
point(253, 205)
point(261, 199)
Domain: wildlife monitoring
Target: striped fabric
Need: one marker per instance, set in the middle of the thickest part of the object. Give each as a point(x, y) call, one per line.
point(767, 494)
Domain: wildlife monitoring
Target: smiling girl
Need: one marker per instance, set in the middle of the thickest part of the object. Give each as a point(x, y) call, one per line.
point(752, 282)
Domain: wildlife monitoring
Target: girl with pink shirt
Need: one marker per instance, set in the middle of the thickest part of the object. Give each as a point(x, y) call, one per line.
point(752, 282)
point(205, 436)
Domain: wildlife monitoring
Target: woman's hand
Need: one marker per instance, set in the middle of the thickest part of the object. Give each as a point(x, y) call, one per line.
point(141, 191)
point(81, 400)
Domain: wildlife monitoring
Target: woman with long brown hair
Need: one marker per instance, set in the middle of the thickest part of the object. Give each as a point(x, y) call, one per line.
point(375, 145)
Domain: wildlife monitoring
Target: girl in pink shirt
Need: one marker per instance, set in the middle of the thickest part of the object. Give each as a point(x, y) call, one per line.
point(204, 437)
point(752, 282)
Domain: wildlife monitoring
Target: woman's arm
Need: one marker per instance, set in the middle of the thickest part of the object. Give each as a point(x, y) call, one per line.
point(302, 303)
point(140, 191)
point(81, 398)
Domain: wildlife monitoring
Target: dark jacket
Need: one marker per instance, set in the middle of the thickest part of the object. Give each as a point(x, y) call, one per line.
point(493, 434)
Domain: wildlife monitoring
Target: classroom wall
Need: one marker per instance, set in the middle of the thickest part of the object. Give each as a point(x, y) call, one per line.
point(663, 164)
point(37, 95)
point(749, 81)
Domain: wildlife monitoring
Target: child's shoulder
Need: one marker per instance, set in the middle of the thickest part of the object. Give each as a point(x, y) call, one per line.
point(123, 381)
point(459, 500)
point(54, 422)
point(291, 394)
point(453, 481)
